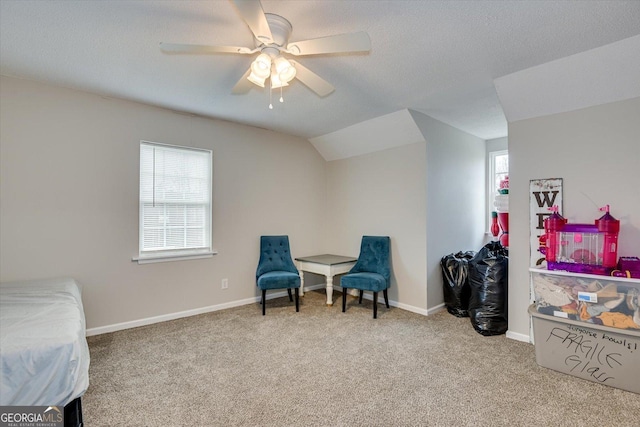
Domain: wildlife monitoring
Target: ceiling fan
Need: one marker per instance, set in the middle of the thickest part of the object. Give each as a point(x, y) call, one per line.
point(271, 37)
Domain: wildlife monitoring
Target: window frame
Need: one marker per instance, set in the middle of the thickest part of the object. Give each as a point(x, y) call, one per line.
point(163, 255)
point(491, 187)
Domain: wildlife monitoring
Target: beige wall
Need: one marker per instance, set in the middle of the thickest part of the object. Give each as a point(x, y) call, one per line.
point(383, 193)
point(69, 200)
point(455, 189)
point(428, 197)
point(597, 153)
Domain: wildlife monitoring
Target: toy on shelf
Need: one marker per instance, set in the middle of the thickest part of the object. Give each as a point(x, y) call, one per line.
point(582, 248)
point(610, 227)
point(495, 228)
point(501, 203)
point(552, 226)
point(628, 267)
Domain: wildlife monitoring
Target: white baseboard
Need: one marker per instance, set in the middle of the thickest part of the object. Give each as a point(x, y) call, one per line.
point(314, 287)
point(407, 307)
point(410, 308)
point(518, 337)
point(165, 317)
point(187, 313)
point(437, 308)
point(172, 316)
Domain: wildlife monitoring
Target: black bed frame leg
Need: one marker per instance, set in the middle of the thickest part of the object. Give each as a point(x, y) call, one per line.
point(73, 413)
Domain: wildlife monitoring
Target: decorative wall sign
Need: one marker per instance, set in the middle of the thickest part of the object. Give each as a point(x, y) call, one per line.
point(543, 193)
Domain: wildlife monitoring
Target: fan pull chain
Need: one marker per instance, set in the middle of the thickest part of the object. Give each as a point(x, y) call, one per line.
point(281, 98)
point(270, 104)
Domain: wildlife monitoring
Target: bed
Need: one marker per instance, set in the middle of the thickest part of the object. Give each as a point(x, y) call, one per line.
point(43, 348)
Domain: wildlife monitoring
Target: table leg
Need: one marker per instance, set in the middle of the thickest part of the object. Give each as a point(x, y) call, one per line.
point(329, 290)
point(301, 282)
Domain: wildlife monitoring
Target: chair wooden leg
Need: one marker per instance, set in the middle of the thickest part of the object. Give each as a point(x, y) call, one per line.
point(386, 298)
point(360, 299)
point(297, 301)
point(344, 299)
point(264, 301)
point(289, 292)
point(375, 305)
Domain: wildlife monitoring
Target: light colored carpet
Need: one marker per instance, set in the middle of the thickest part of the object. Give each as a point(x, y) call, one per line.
point(320, 367)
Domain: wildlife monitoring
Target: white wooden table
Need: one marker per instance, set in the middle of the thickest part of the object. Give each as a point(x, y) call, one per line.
point(328, 265)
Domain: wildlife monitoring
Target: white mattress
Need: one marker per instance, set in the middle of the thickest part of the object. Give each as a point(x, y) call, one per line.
point(43, 349)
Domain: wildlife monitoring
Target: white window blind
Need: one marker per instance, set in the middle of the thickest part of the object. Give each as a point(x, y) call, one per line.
point(175, 199)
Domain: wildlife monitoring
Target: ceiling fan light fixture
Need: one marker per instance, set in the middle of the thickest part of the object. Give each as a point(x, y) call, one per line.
point(271, 34)
point(286, 72)
point(276, 82)
point(261, 67)
point(255, 79)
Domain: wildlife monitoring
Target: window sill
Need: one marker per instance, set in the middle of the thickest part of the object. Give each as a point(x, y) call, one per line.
point(167, 257)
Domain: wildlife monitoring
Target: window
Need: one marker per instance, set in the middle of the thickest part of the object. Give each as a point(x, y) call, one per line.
point(498, 171)
point(175, 202)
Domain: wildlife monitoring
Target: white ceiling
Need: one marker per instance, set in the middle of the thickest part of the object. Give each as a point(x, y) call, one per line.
point(436, 57)
point(380, 133)
point(597, 76)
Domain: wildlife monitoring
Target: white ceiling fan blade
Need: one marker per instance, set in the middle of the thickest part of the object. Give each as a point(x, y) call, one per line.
point(312, 80)
point(199, 48)
point(253, 15)
point(243, 85)
point(350, 42)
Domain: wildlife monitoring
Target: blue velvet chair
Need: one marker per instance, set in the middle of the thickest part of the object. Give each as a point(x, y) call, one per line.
point(276, 269)
point(371, 272)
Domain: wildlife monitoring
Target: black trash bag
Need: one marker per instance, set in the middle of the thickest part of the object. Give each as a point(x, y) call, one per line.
point(455, 282)
point(489, 283)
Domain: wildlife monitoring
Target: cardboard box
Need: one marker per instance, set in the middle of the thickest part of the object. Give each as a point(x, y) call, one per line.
point(596, 353)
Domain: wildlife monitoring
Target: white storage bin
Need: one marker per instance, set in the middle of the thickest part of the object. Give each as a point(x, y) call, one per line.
point(596, 353)
point(592, 299)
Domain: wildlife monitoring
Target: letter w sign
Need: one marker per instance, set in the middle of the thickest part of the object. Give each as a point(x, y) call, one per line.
point(543, 193)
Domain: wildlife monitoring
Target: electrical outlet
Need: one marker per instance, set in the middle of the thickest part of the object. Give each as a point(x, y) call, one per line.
point(225, 283)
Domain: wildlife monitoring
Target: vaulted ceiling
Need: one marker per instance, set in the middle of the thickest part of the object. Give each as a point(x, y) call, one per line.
point(436, 57)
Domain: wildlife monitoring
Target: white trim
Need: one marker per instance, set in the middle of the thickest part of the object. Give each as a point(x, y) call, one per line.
point(149, 259)
point(196, 311)
point(518, 336)
point(176, 147)
point(314, 287)
point(407, 307)
point(165, 317)
point(436, 309)
point(172, 316)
